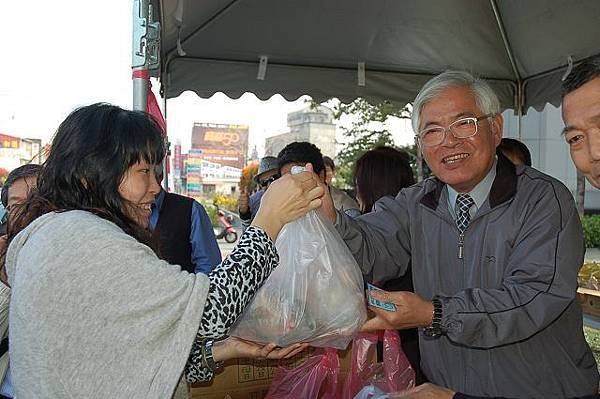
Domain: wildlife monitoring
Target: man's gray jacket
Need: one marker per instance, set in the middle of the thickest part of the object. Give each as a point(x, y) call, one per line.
point(513, 324)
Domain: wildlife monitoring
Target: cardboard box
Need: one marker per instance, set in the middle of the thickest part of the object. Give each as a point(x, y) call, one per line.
point(250, 379)
point(589, 300)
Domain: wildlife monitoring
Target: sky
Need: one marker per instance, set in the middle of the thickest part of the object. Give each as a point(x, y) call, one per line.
point(58, 55)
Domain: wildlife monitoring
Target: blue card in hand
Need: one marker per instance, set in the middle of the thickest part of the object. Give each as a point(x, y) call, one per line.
point(389, 306)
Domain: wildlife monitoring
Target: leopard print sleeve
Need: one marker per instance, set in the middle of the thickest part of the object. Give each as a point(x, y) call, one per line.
point(232, 285)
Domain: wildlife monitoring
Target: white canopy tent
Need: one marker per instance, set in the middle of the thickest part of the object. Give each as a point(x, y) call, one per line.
point(376, 49)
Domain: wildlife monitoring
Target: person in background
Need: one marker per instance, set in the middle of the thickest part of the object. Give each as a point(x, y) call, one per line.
point(383, 172)
point(341, 199)
point(516, 151)
point(18, 185)
point(94, 312)
point(495, 251)
point(268, 172)
point(581, 114)
point(329, 170)
point(184, 231)
point(299, 153)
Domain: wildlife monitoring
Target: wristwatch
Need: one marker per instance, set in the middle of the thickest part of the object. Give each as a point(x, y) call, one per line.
point(207, 357)
point(435, 329)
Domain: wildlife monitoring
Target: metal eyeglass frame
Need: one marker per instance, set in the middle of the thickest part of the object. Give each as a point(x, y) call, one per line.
point(476, 120)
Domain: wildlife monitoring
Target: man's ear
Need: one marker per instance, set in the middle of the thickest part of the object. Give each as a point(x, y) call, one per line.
point(497, 126)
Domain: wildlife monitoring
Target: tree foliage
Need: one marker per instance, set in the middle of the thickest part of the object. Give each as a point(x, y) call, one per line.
point(247, 180)
point(367, 131)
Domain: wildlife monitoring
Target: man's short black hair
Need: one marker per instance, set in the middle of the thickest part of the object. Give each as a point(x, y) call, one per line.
point(580, 75)
point(301, 152)
point(22, 172)
point(515, 147)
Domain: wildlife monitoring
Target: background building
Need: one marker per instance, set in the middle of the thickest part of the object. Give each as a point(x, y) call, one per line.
point(16, 151)
point(214, 163)
point(314, 125)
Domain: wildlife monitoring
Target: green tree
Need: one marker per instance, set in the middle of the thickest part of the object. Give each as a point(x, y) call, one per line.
point(367, 131)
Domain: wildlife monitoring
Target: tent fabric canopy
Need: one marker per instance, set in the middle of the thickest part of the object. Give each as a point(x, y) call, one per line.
point(314, 47)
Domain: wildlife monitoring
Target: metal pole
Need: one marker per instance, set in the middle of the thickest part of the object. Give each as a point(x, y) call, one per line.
point(138, 54)
point(513, 63)
point(519, 106)
point(167, 157)
point(140, 78)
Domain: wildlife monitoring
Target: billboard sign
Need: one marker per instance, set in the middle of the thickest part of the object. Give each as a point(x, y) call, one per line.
point(223, 144)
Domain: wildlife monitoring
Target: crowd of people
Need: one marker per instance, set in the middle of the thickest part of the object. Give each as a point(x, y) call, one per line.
point(109, 297)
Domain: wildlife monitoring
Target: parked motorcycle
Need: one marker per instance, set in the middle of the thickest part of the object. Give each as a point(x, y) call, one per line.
point(228, 232)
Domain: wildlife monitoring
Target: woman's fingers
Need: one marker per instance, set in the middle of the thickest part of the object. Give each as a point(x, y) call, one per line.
point(301, 348)
point(287, 352)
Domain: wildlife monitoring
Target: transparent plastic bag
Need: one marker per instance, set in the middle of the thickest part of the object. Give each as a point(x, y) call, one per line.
point(370, 380)
point(317, 377)
point(315, 295)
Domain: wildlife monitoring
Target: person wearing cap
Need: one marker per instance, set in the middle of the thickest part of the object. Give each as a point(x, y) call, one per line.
point(268, 172)
point(184, 231)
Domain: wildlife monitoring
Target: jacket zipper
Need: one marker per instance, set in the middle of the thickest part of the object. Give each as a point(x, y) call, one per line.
point(461, 245)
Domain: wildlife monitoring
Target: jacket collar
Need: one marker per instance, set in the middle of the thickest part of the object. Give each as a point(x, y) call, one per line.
point(503, 188)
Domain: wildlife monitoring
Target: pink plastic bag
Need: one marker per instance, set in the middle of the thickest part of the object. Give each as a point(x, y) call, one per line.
point(395, 374)
point(316, 378)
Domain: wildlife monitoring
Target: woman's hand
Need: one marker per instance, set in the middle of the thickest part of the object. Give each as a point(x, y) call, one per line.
point(233, 348)
point(3, 276)
point(288, 198)
point(425, 391)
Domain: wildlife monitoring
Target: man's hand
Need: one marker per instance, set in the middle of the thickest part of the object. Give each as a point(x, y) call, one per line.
point(233, 348)
point(411, 311)
point(424, 391)
point(243, 201)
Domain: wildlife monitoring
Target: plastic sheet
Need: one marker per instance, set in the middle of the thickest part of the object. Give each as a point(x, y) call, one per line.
point(368, 380)
point(316, 378)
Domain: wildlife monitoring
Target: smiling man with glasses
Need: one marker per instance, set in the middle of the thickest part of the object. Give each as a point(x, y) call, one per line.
point(495, 250)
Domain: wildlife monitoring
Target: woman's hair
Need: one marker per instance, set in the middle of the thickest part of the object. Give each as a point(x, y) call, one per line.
point(380, 172)
point(91, 151)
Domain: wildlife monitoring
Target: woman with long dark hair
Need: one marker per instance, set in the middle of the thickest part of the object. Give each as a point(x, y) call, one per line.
point(381, 172)
point(94, 312)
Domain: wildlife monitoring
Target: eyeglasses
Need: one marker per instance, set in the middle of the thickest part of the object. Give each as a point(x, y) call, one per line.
point(461, 129)
point(266, 182)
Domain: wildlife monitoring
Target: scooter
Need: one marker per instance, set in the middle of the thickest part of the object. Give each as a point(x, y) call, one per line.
point(227, 232)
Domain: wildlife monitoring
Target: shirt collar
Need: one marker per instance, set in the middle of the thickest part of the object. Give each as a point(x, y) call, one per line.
point(480, 192)
point(158, 201)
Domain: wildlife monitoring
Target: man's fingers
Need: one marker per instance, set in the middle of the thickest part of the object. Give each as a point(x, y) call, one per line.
point(383, 296)
point(316, 192)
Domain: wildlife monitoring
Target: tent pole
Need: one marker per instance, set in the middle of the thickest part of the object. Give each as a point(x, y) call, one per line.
point(167, 158)
point(140, 89)
point(513, 64)
point(507, 47)
point(140, 73)
point(519, 107)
